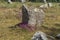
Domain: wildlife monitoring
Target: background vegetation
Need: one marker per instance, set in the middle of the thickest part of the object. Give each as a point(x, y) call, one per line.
point(35, 0)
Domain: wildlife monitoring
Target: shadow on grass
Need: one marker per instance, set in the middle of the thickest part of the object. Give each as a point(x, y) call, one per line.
point(16, 27)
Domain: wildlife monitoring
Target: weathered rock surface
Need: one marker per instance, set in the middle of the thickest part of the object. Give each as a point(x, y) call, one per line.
point(25, 15)
point(9, 1)
point(23, 1)
point(39, 36)
point(32, 17)
point(58, 36)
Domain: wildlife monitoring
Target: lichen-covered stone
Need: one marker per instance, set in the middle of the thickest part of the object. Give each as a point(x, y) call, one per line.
point(36, 16)
point(32, 17)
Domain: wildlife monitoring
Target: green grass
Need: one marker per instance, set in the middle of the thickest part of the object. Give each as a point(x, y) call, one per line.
point(9, 16)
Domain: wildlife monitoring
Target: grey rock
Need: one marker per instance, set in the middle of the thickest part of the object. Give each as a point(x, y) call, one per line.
point(32, 16)
point(58, 36)
point(39, 36)
point(36, 16)
point(23, 1)
point(25, 15)
point(45, 1)
point(9, 1)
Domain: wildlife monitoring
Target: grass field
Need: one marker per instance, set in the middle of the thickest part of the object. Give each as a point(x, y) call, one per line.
point(9, 16)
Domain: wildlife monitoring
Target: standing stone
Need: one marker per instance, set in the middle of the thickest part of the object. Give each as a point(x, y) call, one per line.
point(9, 1)
point(25, 18)
point(40, 17)
point(39, 36)
point(31, 17)
point(50, 4)
point(23, 1)
point(36, 17)
point(25, 15)
point(45, 1)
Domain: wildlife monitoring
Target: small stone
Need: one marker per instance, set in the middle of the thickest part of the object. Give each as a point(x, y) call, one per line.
point(44, 6)
point(39, 36)
point(58, 36)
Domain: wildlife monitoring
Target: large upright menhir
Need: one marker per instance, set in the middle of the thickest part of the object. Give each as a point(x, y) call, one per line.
point(31, 17)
